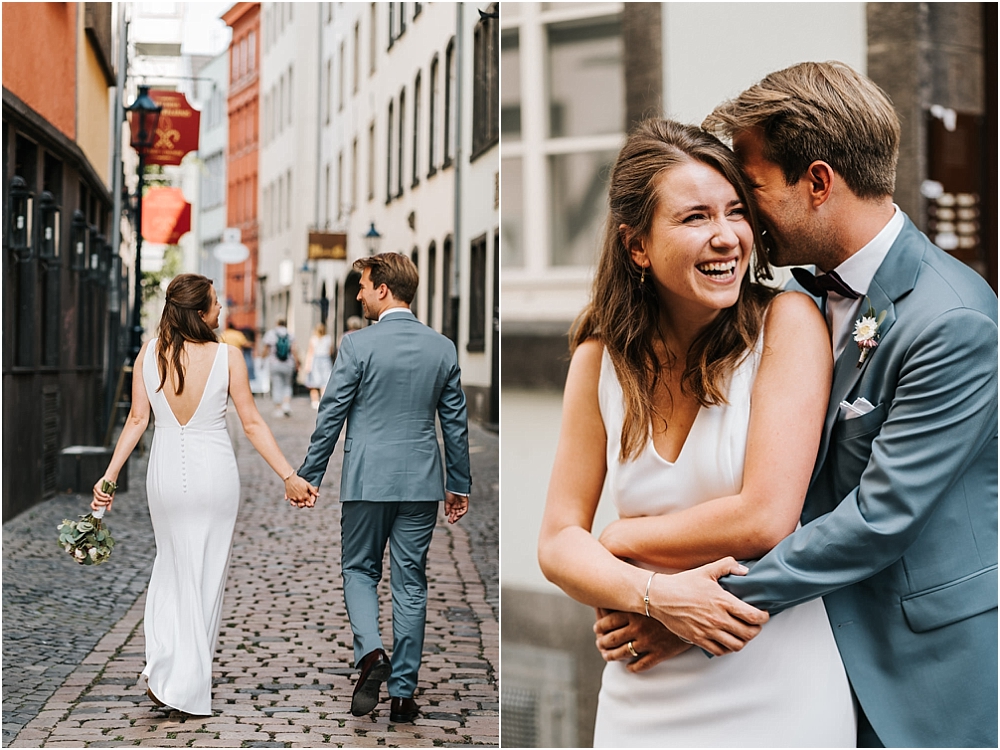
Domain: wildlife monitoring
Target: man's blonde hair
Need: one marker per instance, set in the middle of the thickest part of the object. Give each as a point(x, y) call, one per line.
point(823, 111)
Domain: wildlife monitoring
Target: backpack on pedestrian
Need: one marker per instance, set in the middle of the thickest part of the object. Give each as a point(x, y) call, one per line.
point(283, 347)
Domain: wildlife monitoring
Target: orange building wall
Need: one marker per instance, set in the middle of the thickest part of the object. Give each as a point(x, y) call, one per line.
point(39, 59)
point(94, 116)
point(242, 166)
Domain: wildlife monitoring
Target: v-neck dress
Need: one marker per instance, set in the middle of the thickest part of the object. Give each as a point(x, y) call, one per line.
point(787, 687)
point(193, 489)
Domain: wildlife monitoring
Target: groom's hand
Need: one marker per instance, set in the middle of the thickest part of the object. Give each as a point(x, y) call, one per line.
point(653, 642)
point(455, 506)
point(300, 493)
point(693, 605)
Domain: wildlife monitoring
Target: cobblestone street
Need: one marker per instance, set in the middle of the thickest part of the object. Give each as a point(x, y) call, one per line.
point(73, 640)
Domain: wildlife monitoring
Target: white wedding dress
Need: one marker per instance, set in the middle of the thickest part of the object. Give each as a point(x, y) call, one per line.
point(193, 487)
point(787, 687)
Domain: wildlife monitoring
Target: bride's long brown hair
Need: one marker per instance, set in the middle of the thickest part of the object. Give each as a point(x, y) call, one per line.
point(623, 312)
point(188, 295)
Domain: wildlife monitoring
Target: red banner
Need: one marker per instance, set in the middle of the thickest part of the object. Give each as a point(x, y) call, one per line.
point(177, 130)
point(165, 215)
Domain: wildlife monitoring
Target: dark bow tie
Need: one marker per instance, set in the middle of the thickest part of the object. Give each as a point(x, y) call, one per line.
point(820, 286)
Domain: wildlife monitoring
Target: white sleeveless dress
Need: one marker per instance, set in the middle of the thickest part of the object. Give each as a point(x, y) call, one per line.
point(193, 488)
point(787, 687)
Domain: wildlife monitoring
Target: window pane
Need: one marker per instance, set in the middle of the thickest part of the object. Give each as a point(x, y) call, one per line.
point(578, 190)
point(512, 215)
point(510, 86)
point(585, 73)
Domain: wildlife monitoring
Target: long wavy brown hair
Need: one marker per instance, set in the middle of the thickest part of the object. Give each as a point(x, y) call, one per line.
point(624, 313)
point(188, 295)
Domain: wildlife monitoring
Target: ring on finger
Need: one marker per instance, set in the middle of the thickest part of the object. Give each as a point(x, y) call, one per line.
point(631, 649)
point(685, 640)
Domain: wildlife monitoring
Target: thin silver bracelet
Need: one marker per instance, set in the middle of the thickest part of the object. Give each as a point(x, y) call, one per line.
point(645, 598)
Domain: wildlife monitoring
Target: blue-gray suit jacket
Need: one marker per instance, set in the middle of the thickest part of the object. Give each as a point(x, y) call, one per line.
point(899, 527)
point(388, 382)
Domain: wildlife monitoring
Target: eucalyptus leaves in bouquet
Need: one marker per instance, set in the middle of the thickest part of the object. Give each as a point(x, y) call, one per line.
point(88, 541)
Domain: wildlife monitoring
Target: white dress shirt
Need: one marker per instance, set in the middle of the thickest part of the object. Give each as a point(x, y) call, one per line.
point(858, 272)
point(392, 310)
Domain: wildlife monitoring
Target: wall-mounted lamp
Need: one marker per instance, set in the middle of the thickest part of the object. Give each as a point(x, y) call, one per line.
point(19, 223)
point(79, 239)
point(48, 226)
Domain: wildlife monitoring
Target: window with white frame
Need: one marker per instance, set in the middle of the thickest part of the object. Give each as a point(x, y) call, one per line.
point(556, 162)
point(371, 161)
point(340, 186)
point(356, 56)
point(432, 117)
point(449, 103)
point(399, 144)
point(372, 39)
point(388, 155)
point(329, 88)
point(354, 173)
point(416, 131)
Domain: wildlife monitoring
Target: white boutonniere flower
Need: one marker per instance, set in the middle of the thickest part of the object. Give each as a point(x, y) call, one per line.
point(866, 332)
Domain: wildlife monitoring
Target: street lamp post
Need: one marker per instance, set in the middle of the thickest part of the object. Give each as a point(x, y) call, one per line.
point(372, 239)
point(144, 114)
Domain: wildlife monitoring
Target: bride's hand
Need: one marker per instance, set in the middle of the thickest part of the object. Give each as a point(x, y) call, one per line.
point(697, 609)
point(101, 499)
point(299, 492)
point(650, 640)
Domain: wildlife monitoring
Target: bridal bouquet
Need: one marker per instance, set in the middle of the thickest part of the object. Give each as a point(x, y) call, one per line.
point(88, 541)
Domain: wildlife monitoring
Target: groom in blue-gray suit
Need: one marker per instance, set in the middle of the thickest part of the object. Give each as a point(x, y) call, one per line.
point(899, 527)
point(388, 383)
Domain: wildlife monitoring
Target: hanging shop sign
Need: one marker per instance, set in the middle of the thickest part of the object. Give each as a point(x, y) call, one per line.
point(165, 215)
point(327, 246)
point(177, 129)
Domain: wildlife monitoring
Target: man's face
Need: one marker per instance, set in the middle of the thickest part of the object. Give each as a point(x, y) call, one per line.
point(783, 208)
point(368, 295)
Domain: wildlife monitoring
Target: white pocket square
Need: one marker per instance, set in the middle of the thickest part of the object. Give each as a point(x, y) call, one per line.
point(855, 410)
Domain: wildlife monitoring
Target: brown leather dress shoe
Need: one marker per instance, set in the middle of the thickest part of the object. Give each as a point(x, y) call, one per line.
point(403, 710)
point(375, 669)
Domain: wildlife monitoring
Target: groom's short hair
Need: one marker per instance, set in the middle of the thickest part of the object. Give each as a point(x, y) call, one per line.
point(822, 111)
point(394, 270)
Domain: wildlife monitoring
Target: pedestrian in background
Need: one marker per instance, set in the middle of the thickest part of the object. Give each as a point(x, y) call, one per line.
point(234, 337)
point(248, 351)
point(354, 323)
point(282, 362)
point(319, 363)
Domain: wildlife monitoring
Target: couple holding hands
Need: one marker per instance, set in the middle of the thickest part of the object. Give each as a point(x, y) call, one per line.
point(389, 382)
point(843, 435)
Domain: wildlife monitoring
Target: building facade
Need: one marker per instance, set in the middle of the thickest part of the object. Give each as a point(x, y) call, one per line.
point(211, 92)
point(62, 287)
point(575, 76)
point(242, 160)
point(376, 116)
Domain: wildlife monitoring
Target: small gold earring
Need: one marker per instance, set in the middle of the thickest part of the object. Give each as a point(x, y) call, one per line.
point(642, 279)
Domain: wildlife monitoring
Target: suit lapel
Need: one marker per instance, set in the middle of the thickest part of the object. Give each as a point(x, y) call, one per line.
point(895, 277)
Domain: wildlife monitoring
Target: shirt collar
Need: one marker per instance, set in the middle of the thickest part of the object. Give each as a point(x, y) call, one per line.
point(394, 310)
point(859, 270)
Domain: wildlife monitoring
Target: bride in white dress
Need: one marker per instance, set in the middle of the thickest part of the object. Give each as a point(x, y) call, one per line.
point(698, 397)
point(192, 485)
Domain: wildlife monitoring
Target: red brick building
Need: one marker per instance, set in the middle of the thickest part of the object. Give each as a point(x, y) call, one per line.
point(241, 190)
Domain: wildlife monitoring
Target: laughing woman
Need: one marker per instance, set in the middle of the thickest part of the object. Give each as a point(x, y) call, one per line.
point(699, 396)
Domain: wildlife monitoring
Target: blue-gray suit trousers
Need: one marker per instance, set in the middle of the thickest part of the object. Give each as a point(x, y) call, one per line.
point(408, 527)
point(391, 382)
